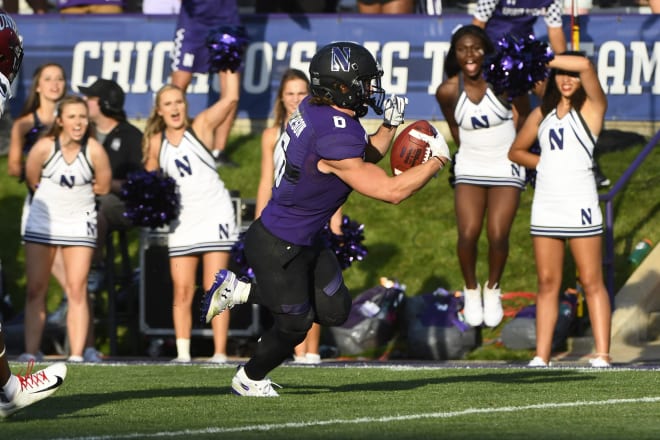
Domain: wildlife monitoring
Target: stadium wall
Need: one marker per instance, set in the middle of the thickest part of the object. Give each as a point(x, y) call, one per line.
point(134, 51)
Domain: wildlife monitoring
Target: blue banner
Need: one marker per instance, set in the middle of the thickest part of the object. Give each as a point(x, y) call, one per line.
point(134, 51)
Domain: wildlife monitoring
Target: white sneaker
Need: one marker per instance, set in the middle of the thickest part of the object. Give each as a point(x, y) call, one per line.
point(92, 355)
point(599, 362)
point(493, 312)
point(181, 360)
point(244, 386)
point(225, 293)
point(307, 359)
point(538, 362)
point(473, 311)
point(34, 387)
point(218, 358)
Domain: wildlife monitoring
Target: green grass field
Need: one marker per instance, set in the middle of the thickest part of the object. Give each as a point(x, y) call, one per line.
point(413, 242)
point(151, 401)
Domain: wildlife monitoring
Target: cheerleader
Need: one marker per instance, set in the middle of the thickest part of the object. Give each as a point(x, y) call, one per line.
point(565, 206)
point(206, 226)
point(64, 170)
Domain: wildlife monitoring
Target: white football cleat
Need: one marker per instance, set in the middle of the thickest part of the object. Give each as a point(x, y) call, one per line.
point(244, 386)
point(225, 293)
point(34, 387)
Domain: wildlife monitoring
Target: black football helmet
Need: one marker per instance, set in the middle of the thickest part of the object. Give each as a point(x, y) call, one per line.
point(348, 75)
point(11, 47)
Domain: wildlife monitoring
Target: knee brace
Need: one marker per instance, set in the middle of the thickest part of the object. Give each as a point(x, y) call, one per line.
point(333, 302)
point(293, 328)
point(331, 297)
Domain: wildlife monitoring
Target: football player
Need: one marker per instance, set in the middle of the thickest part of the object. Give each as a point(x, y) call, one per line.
point(327, 155)
point(19, 391)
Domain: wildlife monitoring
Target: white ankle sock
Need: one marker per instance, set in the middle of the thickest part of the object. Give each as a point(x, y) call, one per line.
point(242, 292)
point(11, 387)
point(183, 348)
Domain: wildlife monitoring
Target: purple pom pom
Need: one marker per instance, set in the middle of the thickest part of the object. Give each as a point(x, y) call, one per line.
point(151, 199)
point(517, 66)
point(227, 45)
point(348, 245)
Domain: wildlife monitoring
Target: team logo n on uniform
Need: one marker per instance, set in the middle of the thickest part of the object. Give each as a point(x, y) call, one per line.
point(556, 139)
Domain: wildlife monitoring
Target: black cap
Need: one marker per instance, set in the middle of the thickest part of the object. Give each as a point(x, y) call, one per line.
point(111, 97)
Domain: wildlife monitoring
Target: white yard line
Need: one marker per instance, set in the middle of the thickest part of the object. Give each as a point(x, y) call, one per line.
point(359, 420)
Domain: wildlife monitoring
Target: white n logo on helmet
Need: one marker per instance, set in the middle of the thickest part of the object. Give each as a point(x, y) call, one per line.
point(340, 59)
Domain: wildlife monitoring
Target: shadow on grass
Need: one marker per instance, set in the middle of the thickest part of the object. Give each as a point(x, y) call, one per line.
point(532, 377)
point(63, 405)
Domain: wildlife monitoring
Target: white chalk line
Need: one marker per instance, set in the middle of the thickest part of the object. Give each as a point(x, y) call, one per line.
point(359, 420)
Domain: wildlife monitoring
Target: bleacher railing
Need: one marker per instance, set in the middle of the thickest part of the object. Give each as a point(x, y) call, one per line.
point(608, 199)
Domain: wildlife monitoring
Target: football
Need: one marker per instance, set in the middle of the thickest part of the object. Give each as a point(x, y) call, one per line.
point(409, 151)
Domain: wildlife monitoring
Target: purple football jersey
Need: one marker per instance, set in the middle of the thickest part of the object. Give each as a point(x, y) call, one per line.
point(516, 17)
point(303, 198)
point(197, 18)
point(208, 12)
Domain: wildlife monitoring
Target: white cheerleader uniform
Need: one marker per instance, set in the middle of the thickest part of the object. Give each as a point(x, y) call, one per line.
point(206, 222)
point(63, 208)
point(565, 198)
point(486, 132)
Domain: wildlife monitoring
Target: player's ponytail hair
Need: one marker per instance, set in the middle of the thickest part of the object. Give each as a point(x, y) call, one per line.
point(321, 100)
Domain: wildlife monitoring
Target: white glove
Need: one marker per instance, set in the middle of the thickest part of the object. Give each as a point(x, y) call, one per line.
point(5, 92)
point(393, 110)
point(437, 145)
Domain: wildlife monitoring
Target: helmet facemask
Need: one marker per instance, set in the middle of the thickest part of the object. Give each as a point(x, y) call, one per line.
point(373, 95)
